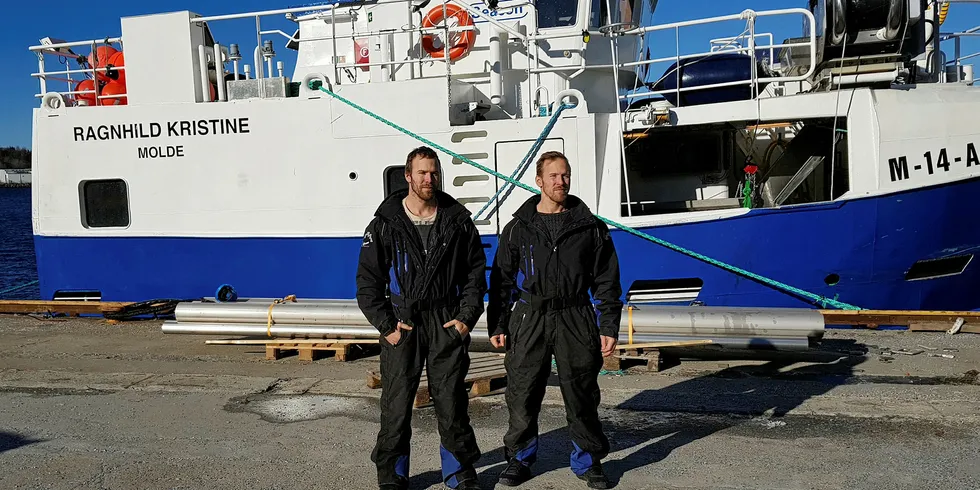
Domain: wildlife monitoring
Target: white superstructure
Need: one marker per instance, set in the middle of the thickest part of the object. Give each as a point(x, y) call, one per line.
point(211, 140)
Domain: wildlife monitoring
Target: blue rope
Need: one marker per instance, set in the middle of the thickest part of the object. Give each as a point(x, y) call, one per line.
point(820, 300)
point(16, 288)
point(518, 172)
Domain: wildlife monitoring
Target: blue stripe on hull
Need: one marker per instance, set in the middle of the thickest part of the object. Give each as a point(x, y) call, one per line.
point(870, 243)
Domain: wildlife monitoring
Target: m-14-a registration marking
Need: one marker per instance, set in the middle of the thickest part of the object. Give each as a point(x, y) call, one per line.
point(932, 163)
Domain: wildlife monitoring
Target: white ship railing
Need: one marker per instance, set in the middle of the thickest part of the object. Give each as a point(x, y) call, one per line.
point(530, 43)
point(66, 75)
point(445, 30)
point(730, 44)
point(958, 56)
point(749, 34)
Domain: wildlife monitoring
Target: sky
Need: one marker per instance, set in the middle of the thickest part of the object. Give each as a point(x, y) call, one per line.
point(74, 21)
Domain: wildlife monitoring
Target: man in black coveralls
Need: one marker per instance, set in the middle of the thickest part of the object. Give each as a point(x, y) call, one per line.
point(550, 256)
point(420, 282)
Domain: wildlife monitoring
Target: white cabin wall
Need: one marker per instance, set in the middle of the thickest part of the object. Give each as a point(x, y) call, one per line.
point(951, 111)
point(162, 72)
point(290, 174)
point(317, 55)
point(610, 171)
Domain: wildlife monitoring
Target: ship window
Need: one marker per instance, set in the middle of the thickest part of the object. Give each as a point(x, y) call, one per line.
point(395, 179)
point(557, 13)
point(622, 13)
point(105, 203)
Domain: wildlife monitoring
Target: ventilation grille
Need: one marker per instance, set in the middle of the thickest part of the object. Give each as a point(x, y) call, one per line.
point(935, 268)
point(80, 295)
point(680, 291)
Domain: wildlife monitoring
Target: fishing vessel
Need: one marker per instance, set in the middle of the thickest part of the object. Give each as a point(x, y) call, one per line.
point(840, 165)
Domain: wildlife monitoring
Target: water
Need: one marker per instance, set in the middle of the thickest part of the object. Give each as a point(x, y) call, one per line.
point(17, 265)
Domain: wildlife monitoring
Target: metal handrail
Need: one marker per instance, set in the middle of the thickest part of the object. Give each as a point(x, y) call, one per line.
point(50, 49)
point(42, 47)
point(749, 15)
point(958, 57)
point(446, 29)
point(729, 40)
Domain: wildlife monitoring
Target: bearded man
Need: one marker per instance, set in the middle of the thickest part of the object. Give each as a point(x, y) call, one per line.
point(549, 258)
point(420, 282)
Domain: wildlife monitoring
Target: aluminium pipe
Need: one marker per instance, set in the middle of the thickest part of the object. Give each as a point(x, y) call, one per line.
point(327, 331)
point(302, 313)
point(736, 322)
point(261, 330)
point(677, 320)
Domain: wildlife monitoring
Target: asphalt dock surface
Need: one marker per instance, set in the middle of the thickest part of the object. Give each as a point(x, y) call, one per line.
point(84, 404)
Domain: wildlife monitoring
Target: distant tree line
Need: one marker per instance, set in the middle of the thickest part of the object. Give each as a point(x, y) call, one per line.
point(15, 158)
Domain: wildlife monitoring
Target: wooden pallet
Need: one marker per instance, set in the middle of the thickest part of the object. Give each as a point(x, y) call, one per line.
point(646, 354)
point(484, 377)
point(917, 320)
point(73, 308)
point(309, 350)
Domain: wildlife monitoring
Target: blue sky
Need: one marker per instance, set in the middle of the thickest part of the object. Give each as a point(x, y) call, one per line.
point(74, 21)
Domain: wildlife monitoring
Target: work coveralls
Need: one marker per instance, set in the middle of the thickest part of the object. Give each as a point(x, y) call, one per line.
point(539, 298)
point(398, 280)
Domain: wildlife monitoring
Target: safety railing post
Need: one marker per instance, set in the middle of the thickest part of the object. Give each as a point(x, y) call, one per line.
point(677, 64)
point(333, 36)
point(40, 67)
point(956, 47)
point(754, 71)
point(445, 57)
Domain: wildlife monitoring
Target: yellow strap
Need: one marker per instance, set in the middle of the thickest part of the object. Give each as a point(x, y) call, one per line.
point(268, 326)
point(629, 323)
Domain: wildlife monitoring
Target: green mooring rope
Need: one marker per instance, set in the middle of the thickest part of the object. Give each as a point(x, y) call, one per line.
point(525, 163)
point(17, 288)
point(820, 300)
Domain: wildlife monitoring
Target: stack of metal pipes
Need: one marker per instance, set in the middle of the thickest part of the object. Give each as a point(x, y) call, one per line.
point(732, 328)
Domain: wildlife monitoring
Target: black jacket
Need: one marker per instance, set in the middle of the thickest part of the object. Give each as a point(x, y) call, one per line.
point(393, 265)
point(583, 260)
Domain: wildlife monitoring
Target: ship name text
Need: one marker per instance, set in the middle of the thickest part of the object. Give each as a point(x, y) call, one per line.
point(932, 162)
point(173, 129)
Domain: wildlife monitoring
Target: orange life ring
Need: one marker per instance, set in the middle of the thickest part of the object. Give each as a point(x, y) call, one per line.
point(466, 38)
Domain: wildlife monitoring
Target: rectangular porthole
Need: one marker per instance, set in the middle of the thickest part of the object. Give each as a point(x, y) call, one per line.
point(935, 268)
point(104, 203)
point(395, 179)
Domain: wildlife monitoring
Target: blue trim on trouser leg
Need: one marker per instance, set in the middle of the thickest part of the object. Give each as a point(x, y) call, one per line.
point(529, 454)
point(580, 460)
point(450, 467)
point(401, 466)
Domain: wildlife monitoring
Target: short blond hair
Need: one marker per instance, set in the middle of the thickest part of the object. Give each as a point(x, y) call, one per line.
point(549, 156)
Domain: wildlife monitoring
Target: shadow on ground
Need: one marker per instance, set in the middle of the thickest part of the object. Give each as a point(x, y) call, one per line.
point(652, 424)
point(10, 441)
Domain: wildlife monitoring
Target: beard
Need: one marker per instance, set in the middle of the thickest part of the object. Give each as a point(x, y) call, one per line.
point(557, 194)
point(425, 192)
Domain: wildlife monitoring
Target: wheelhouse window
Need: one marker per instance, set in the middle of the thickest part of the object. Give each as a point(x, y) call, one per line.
point(557, 13)
point(105, 203)
point(622, 13)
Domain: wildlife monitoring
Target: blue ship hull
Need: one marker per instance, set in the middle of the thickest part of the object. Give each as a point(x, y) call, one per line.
point(869, 243)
